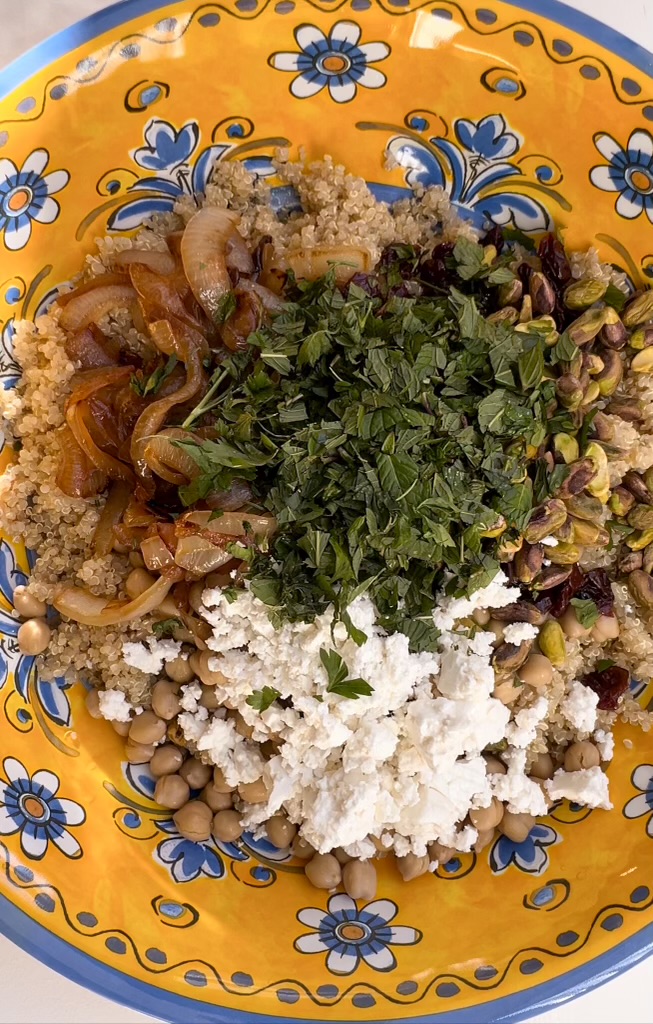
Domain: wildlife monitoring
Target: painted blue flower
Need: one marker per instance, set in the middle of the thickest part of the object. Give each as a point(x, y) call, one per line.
point(642, 804)
point(487, 138)
point(529, 856)
point(629, 172)
point(338, 61)
point(26, 196)
point(31, 806)
point(179, 169)
point(350, 935)
point(187, 860)
point(473, 172)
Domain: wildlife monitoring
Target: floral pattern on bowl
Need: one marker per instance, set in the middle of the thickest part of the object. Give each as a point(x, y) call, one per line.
point(479, 99)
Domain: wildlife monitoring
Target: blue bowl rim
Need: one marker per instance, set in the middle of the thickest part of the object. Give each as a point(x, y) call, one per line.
point(105, 980)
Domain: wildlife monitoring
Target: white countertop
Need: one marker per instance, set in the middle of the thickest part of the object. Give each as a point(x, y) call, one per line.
point(34, 994)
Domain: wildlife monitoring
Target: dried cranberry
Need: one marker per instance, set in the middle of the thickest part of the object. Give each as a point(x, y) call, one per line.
point(369, 283)
point(610, 684)
point(553, 257)
point(525, 270)
point(596, 587)
point(437, 269)
point(556, 600)
point(494, 237)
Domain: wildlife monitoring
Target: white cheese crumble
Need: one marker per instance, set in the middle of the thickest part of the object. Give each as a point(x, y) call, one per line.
point(523, 730)
point(517, 632)
point(550, 542)
point(521, 794)
point(589, 787)
point(151, 655)
point(579, 706)
point(497, 594)
point(114, 706)
point(605, 743)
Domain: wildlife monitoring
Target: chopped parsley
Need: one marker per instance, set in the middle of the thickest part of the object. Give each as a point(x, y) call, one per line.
point(261, 700)
point(389, 436)
point(586, 610)
point(166, 628)
point(338, 681)
point(145, 386)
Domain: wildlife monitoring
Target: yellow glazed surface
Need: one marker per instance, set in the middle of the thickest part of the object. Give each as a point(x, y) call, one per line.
point(517, 117)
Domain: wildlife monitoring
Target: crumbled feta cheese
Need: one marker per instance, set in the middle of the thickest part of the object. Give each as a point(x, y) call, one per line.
point(589, 787)
point(150, 658)
point(517, 632)
point(114, 705)
point(549, 542)
point(497, 594)
point(523, 730)
point(605, 743)
point(190, 696)
point(579, 706)
point(521, 794)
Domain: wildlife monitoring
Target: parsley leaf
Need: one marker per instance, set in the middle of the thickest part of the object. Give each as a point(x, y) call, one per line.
point(587, 612)
point(151, 384)
point(166, 627)
point(261, 700)
point(227, 305)
point(337, 674)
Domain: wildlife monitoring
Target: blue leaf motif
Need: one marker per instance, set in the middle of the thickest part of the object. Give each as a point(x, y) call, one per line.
point(205, 166)
point(457, 165)
point(8, 625)
point(141, 779)
point(53, 699)
point(167, 148)
point(261, 166)
point(491, 174)
point(422, 165)
point(487, 138)
point(169, 188)
point(25, 668)
point(10, 575)
point(134, 214)
point(512, 208)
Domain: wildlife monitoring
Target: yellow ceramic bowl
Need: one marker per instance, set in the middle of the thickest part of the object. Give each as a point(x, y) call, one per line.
point(524, 112)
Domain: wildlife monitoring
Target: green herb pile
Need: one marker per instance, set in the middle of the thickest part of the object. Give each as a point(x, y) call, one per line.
point(390, 438)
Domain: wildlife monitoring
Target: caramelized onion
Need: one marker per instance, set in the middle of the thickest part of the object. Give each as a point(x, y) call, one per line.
point(167, 460)
point(309, 264)
point(156, 555)
point(86, 382)
point(80, 605)
point(230, 524)
point(76, 476)
point(159, 298)
point(92, 348)
point(230, 501)
point(77, 418)
point(244, 320)
point(269, 299)
point(237, 256)
point(199, 556)
point(90, 306)
point(209, 234)
point(110, 278)
point(116, 503)
point(160, 262)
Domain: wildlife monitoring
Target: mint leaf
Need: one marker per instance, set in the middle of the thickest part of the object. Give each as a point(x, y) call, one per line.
point(615, 297)
point(313, 347)
point(261, 700)
point(166, 627)
point(586, 611)
point(564, 350)
point(531, 367)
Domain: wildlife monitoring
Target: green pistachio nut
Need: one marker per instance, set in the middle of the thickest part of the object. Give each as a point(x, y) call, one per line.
point(642, 362)
point(587, 326)
point(641, 517)
point(585, 533)
point(552, 642)
point(641, 338)
point(582, 294)
point(640, 585)
point(614, 336)
point(599, 486)
point(507, 315)
point(510, 292)
point(542, 293)
point(566, 447)
point(610, 377)
point(639, 310)
point(564, 554)
point(569, 391)
point(584, 506)
point(546, 520)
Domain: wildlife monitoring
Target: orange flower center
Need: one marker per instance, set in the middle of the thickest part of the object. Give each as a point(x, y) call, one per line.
point(640, 181)
point(335, 64)
point(19, 199)
point(352, 931)
point(34, 807)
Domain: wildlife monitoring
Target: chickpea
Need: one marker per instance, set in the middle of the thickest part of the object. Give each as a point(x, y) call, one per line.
point(216, 800)
point(281, 832)
point(411, 866)
point(172, 791)
point(93, 703)
point(28, 606)
point(207, 675)
point(493, 766)
point(516, 826)
point(138, 753)
point(219, 781)
point(484, 839)
point(340, 855)
point(196, 773)
point(242, 728)
point(323, 871)
point(497, 627)
point(486, 818)
point(581, 755)
point(443, 854)
point(193, 821)
point(572, 627)
point(253, 792)
point(605, 628)
point(226, 826)
point(179, 670)
point(209, 698)
point(168, 609)
point(138, 581)
point(481, 616)
point(301, 849)
point(537, 671)
point(195, 596)
point(359, 879)
point(122, 728)
point(542, 767)
point(165, 700)
point(506, 691)
point(34, 636)
point(167, 760)
point(147, 728)
point(136, 559)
